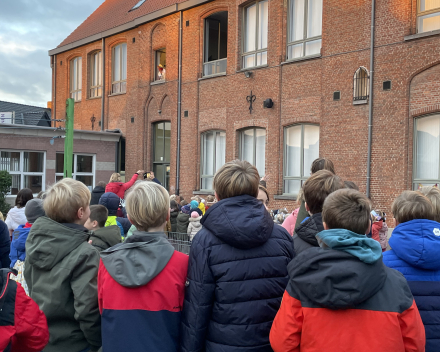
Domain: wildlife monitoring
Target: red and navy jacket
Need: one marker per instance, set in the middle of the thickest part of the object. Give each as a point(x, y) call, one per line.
point(23, 326)
point(140, 291)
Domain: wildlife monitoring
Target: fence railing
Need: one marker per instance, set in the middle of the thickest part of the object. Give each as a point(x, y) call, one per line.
point(180, 241)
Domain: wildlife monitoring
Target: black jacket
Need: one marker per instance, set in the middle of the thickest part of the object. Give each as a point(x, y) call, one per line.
point(304, 236)
point(236, 277)
point(173, 220)
point(97, 192)
point(182, 222)
point(5, 245)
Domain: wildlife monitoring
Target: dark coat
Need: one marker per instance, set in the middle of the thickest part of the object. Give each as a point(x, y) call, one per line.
point(106, 237)
point(304, 237)
point(97, 192)
point(5, 245)
point(236, 277)
point(182, 222)
point(173, 219)
point(125, 223)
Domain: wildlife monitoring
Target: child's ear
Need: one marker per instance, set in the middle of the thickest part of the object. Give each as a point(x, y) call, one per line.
point(95, 223)
point(216, 196)
point(369, 227)
point(325, 225)
point(307, 207)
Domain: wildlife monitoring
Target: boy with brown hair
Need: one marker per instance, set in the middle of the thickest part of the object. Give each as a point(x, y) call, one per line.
point(315, 190)
point(341, 297)
point(237, 269)
point(101, 237)
point(61, 269)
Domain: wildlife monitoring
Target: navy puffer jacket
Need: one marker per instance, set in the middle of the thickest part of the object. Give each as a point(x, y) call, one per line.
point(236, 277)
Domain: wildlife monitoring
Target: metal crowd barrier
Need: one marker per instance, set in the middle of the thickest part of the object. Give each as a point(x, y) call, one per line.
point(180, 241)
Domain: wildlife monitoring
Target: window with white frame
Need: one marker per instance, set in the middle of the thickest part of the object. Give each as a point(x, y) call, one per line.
point(426, 170)
point(119, 68)
point(305, 28)
point(428, 15)
point(253, 148)
point(83, 168)
point(27, 168)
point(213, 157)
point(256, 17)
point(301, 147)
point(76, 78)
point(96, 74)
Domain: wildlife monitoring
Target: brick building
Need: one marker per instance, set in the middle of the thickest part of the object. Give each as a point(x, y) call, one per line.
point(309, 59)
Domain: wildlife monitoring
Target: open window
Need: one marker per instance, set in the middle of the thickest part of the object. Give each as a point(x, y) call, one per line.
point(160, 63)
point(216, 44)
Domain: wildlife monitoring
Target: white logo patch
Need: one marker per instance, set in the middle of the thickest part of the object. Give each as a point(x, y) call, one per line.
point(436, 232)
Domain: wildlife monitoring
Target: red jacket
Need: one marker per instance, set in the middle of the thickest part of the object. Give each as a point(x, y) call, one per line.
point(375, 229)
point(119, 188)
point(23, 326)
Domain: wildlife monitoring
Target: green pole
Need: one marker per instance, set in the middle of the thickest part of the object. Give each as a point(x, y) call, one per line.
point(68, 143)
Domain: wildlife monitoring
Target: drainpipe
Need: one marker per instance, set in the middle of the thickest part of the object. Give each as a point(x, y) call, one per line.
point(54, 102)
point(179, 105)
point(103, 85)
point(370, 102)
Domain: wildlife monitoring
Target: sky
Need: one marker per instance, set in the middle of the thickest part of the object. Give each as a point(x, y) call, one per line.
point(28, 30)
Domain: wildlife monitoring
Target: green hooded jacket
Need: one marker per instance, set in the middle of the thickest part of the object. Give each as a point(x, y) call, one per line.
point(106, 237)
point(61, 271)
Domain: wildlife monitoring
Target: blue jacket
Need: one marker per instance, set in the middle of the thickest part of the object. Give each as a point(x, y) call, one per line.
point(18, 251)
point(236, 277)
point(416, 254)
point(5, 245)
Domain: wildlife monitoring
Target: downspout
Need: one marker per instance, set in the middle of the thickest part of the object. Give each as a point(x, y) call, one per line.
point(370, 102)
point(54, 102)
point(103, 85)
point(179, 105)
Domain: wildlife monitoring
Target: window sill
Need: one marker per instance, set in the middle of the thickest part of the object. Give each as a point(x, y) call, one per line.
point(213, 76)
point(115, 94)
point(304, 58)
point(157, 82)
point(94, 98)
point(421, 35)
point(284, 197)
point(204, 192)
point(360, 102)
point(252, 68)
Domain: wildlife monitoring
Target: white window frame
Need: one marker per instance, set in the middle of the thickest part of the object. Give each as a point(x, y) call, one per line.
point(304, 40)
point(74, 171)
point(302, 178)
point(425, 13)
point(202, 176)
point(121, 84)
point(76, 63)
point(22, 173)
point(254, 153)
point(96, 89)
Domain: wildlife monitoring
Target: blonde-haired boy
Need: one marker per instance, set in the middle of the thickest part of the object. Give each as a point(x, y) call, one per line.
point(61, 269)
point(141, 281)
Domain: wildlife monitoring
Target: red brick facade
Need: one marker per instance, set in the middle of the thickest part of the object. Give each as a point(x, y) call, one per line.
point(302, 92)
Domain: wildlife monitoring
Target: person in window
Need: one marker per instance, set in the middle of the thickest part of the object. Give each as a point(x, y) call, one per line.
point(16, 216)
point(117, 187)
point(160, 72)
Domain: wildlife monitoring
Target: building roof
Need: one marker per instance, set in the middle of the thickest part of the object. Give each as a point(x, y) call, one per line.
point(114, 16)
point(27, 114)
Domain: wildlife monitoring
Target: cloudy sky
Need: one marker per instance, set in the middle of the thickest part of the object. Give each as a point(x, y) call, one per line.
point(28, 29)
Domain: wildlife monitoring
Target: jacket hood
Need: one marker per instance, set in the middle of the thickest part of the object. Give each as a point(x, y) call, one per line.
point(195, 221)
point(362, 247)
point(139, 259)
point(334, 279)
point(18, 237)
point(309, 228)
point(49, 242)
point(242, 222)
point(111, 202)
point(417, 242)
point(98, 189)
point(111, 235)
point(17, 215)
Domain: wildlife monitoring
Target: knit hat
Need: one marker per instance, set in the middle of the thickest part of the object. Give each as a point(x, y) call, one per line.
point(34, 210)
point(194, 204)
point(111, 202)
point(195, 214)
point(186, 209)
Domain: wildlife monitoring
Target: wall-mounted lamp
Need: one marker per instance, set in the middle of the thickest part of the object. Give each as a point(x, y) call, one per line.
point(248, 74)
point(159, 111)
point(52, 140)
point(268, 103)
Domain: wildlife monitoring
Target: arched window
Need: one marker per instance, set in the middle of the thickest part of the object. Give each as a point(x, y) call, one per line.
point(255, 38)
point(213, 157)
point(95, 74)
point(76, 78)
point(360, 84)
point(119, 68)
point(216, 44)
point(253, 148)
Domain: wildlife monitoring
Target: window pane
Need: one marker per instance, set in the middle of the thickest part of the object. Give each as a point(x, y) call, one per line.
point(251, 27)
point(429, 22)
point(296, 31)
point(34, 183)
point(10, 161)
point(207, 183)
point(292, 186)
point(208, 154)
point(311, 147)
point(160, 65)
point(74, 75)
point(124, 62)
point(314, 21)
point(159, 172)
point(79, 76)
point(427, 158)
point(262, 58)
point(167, 141)
point(263, 15)
point(426, 5)
point(220, 150)
point(293, 152)
point(87, 180)
point(16, 184)
point(260, 156)
point(117, 63)
point(313, 47)
point(158, 141)
point(248, 61)
point(295, 51)
point(247, 146)
point(59, 163)
point(33, 162)
point(84, 163)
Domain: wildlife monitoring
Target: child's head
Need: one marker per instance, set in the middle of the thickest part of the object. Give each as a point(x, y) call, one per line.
point(194, 204)
point(98, 217)
point(23, 196)
point(236, 178)
point(433, 194)
point(195, 215)
point(34, 209)
point(351, 185)
point(322, 164)
point(347, 209)
point(411, 205)
point(317, 188)
point(101, 184)
point(183, 203)
point(148, 206)
point(210, 198)
point(111, 202)
point(115, 177)
point(173, 205)
point(67, 201)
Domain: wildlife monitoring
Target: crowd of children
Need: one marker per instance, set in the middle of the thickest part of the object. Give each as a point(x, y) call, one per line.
point(105, 277)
